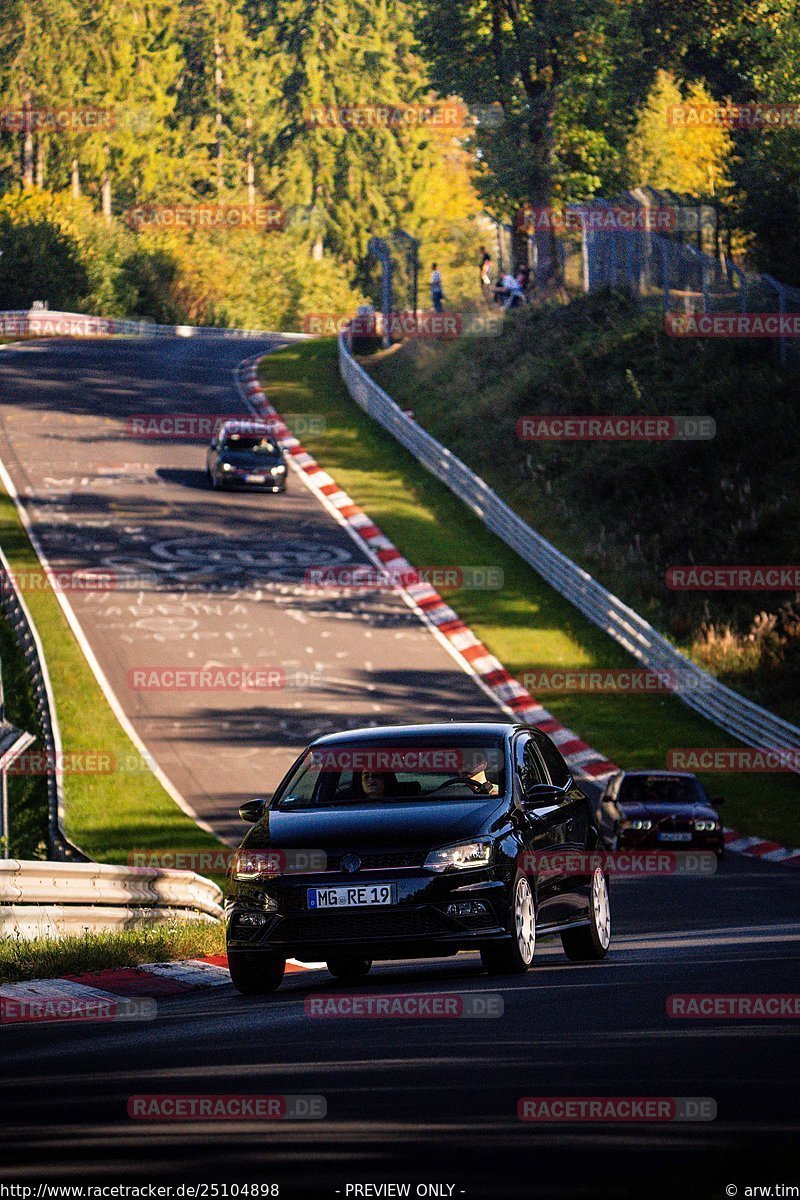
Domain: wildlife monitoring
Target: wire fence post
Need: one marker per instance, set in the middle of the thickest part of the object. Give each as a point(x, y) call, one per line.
point(379, 249)
point(781, 293)
point(412, 260)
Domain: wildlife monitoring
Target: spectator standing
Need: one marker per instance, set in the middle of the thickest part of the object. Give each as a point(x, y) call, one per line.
point(437, 293)
point(486, 275)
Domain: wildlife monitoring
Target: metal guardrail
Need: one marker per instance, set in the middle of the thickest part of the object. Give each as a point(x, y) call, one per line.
point(19, 618)
point(46, 898)
point(44, 323)
point(738, 716)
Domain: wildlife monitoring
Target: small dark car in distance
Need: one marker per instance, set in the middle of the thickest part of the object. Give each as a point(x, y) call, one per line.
point(413, 841)
point(669, 809)
point(245, 454)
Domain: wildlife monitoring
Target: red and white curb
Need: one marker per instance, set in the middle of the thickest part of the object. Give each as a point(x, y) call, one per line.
point(101, 995)
point(462, 643)
point(755, 847)
point(474, 657)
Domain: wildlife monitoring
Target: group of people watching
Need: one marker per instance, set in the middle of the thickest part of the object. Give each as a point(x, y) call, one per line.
point(507, 289)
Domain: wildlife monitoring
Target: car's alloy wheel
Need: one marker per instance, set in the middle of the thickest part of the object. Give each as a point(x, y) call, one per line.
point(255, 974)
point(514, 955)
point(349, 968)
point(592, 941)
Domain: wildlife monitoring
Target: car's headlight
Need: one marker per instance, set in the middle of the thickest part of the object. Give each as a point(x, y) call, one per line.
point(459, 857)
point(278, 470)
point(705, 826)
point(256, 864)
point(641, 824)
point(226, 467)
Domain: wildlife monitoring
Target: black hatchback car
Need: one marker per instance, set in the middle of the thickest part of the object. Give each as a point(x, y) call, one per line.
point(244, 454)
point(417, 840)
point(668, 809)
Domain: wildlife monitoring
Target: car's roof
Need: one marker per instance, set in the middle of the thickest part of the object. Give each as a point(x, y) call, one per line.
point(435, 732)
point(243, 425)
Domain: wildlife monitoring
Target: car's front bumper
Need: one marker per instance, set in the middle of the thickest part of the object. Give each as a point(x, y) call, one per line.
point(648, 839)
point(228, 479)
point(277, 919)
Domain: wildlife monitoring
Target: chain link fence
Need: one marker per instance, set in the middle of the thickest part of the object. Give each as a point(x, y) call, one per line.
point(661, 258)
point(666, 249)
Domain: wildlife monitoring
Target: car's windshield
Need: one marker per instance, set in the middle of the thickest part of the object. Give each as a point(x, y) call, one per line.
point(660, 789)
point(333, 775)
point(249, 443)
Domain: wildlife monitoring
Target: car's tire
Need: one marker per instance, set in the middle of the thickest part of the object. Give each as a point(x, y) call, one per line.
point(514, 955)
point(348, 968)
point(255, 974)
point(591, 942)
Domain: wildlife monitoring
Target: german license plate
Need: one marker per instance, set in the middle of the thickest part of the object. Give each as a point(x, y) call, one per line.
point(675, 837)
point(352, 896)
point(255, 479)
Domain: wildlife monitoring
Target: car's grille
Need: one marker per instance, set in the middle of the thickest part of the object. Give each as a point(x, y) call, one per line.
point(318, 927)
point(674, 825)
point(380, 862)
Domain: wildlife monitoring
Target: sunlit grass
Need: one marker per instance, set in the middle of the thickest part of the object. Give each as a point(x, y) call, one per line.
point(526, 624)
point(107, 815)
point(50, 957)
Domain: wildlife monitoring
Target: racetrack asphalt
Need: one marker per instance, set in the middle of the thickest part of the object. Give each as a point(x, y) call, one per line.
point(206, 578)
point(409, 1101)
point(415, 1100)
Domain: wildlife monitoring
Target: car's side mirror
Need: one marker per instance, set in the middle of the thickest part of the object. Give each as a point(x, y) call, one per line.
point(252, 810)
point(541, 794)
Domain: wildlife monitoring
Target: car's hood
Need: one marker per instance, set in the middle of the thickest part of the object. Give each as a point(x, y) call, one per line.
point(390, 824)
point(657, 812)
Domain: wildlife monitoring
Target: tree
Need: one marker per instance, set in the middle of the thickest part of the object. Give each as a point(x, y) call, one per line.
point(349, 169)
point(132, 64)
point(689, 157)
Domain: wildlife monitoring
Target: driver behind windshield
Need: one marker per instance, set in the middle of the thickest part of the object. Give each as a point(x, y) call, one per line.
point(477, 774)
point(375, 784)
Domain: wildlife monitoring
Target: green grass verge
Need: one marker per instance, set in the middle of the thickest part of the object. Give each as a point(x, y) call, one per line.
point(107, 815)
point(628, 511)
point(526, 624)
point(50, 957)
